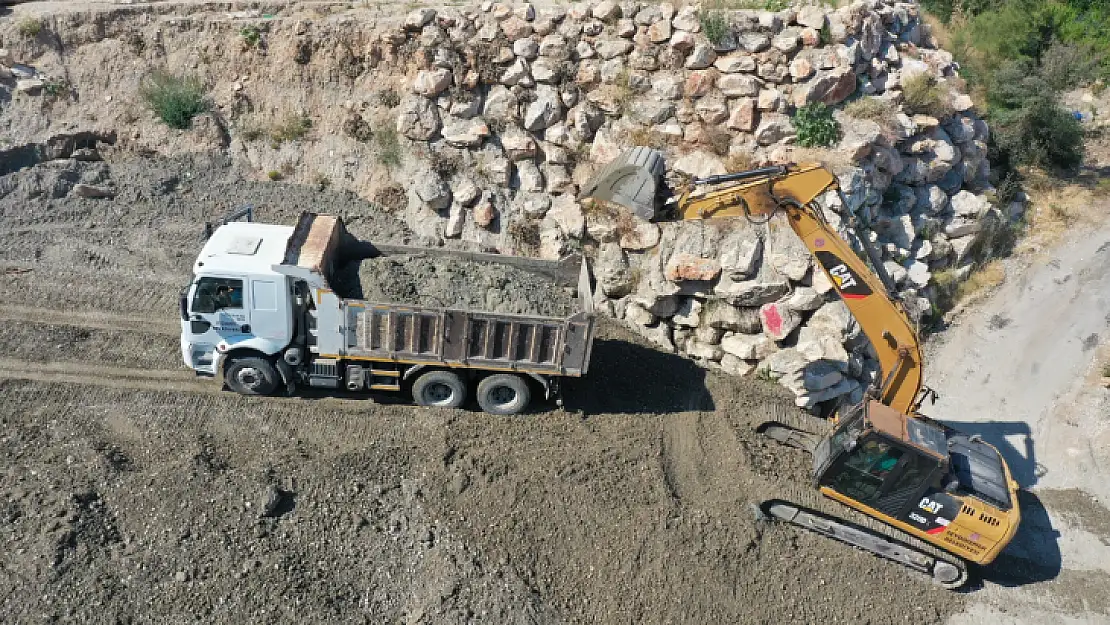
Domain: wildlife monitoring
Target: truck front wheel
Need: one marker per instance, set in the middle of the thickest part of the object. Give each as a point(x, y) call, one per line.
point(439, 389)
point(251, 376)
point(503, 394)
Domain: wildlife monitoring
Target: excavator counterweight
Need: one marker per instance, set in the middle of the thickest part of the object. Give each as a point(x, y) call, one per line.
point(923, 494)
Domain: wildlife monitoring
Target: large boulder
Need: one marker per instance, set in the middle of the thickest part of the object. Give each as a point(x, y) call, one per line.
point(545, 110)
point(831, 87)
point(418, 119)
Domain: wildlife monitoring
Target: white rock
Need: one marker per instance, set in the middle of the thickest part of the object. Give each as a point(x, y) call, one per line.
point(967, 204)
point(567, 215)
point(699, 164)
point(501, 104)
point(465, 133)
point(613, 48)
point(432, 190)
point(774, 127)
point(419, 18)
point(735, 63)
point(702, 56)
point(529, 176)
point(734, 366)
point(688, 313)
point(918, 273)
point(749, 346)
point(804, 298)
point(517, 73)
point(784, 362)
point(545, 110)
point(637, 315)
point(526, 48)
point(431, 83)
point(465, 191)
point(455, 220)
point(812, 16)
point(555, 46)
point(687, 19)
point(846, 386)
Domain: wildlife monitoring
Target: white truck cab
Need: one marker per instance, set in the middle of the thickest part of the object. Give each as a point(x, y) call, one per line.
point(237, 301)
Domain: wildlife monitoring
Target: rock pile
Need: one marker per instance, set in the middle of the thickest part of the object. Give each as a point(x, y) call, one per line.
point(535, 100)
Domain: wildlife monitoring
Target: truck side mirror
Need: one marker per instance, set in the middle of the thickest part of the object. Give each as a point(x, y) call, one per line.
point(184, 304)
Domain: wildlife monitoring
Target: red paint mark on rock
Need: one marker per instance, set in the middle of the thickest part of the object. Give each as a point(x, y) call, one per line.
point(772, 320)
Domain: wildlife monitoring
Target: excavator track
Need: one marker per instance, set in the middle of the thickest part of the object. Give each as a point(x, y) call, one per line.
point(809, 509)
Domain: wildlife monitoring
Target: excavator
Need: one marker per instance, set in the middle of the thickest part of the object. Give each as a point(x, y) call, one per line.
point(891, 481)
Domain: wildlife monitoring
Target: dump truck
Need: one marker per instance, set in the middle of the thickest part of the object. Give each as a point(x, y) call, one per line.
point(261, 315)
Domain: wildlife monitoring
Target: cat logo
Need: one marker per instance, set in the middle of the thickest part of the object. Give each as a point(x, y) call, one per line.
point(843, 277)
point(848, 283)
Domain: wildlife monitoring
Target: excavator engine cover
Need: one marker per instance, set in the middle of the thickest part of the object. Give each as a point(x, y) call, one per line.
point(631, 180)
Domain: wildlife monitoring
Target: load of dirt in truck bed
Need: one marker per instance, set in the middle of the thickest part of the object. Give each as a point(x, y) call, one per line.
point(450, 282)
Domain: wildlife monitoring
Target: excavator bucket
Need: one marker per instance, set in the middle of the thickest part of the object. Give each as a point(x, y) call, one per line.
point(633, 180)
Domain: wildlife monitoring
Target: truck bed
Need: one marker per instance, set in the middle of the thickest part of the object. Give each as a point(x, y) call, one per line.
point(544, 345)
point(454, 337)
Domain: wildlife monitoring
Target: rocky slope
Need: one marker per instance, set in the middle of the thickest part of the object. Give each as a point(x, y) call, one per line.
point(478, 125)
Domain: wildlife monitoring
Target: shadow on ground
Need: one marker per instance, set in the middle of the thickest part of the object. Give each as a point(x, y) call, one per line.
point(628, 378)
point(1034, 553)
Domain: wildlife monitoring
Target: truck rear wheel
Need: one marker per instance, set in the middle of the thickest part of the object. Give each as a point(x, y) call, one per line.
point(439, 389)
point(251, 376)
point(504, 393)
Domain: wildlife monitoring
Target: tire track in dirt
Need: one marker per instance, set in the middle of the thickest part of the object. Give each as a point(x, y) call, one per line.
point(95, 319)
point(102, 375)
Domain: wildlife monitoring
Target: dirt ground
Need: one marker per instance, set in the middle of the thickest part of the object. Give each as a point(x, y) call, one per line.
point(132, 492)
point(1023, 368)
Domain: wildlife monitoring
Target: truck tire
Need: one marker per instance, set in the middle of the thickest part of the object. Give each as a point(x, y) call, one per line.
point(439, 389)
point(251, 376)
point(504, 394)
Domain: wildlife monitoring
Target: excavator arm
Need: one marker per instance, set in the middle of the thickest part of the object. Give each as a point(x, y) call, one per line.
point(634, 180)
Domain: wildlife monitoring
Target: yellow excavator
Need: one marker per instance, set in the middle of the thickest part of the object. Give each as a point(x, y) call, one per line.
point(920, 493)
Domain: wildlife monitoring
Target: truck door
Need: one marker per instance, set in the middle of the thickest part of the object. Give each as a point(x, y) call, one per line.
point(217, 310)
point(270, 314)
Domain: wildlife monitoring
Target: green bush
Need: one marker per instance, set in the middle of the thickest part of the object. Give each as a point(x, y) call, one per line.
point(815, 126)
point(251, 35)
point(714, 25)
point(1040, 133)
point(29, 27)
point(176, 99)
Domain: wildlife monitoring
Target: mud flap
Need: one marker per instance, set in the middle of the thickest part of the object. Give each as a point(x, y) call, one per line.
point(632, 180)
point(287, 376)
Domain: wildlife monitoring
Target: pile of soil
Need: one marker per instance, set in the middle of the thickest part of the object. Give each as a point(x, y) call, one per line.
point(448, 282)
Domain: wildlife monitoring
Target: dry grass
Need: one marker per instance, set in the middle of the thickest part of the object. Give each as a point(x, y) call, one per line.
point(834, 160)
point(1059, 207)
point(739, 161)
point(923, 94)
point(981, 282)
point(880, 111)
point(648, 137)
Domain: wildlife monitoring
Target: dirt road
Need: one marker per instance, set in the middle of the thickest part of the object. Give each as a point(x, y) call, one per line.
point(1022, 369)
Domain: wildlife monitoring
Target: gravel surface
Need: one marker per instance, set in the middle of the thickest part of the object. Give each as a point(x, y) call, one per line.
point(446, 282)
point(125, 502)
